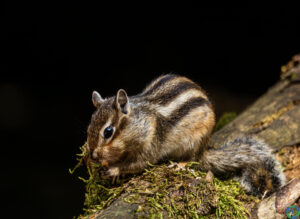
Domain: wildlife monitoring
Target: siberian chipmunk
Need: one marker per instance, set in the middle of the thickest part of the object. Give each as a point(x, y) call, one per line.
point(172, 119)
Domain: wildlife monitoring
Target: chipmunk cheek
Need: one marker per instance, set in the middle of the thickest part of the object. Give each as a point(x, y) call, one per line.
point(105, 155)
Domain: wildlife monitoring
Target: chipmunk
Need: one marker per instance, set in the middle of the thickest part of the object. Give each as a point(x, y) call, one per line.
point(172, 119)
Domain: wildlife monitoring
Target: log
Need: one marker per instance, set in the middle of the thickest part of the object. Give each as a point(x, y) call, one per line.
point(274, 117)
point(275, 206)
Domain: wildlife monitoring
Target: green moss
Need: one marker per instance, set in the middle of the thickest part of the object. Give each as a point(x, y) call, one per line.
point(163, 192)
point(224, 120)
point(80, 158)
point(231, 199)
point(99, 192)
point(293, 75)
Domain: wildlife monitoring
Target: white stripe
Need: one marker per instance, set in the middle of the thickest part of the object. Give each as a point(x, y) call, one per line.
point(180, 100)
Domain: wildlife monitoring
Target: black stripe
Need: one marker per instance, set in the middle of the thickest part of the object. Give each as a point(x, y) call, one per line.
point(164, 125)
point(159, 83)
point(169, 95)
point(162, 128)
point(182, 111)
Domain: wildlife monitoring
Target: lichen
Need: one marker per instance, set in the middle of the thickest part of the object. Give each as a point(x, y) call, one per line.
point(267, 120)
point(164, 192)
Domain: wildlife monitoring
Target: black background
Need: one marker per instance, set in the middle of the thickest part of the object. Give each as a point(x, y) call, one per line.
point(54, 57)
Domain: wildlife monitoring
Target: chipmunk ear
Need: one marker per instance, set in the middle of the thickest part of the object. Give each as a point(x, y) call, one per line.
point(122, 101)
point(97, 99)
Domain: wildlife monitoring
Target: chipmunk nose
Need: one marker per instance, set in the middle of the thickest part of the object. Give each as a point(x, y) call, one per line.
point(96, 154)
point(92, 157)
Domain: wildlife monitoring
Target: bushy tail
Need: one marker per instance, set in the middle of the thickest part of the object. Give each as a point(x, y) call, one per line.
point(250, 161)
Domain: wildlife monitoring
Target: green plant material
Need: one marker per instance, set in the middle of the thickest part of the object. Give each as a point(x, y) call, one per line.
point(224, 120)
point(163, 192)
point(231, 199)
point(99, 191)
point(80, 158)
point(187, 194)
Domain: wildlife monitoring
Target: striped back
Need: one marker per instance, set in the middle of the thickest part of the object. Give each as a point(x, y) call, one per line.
point(174, 96)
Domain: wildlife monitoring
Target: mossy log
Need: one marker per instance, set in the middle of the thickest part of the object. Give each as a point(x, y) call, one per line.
point(274, 117)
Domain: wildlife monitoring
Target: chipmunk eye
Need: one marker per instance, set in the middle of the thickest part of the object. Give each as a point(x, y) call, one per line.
point(108, 131)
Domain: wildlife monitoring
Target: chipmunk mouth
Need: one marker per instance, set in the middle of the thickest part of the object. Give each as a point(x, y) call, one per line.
point(104, 164)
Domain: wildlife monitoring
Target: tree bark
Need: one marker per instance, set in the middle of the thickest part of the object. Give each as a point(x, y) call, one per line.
point(274, 117)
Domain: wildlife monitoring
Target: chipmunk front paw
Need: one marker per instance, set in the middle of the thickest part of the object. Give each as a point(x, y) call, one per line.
point(178, 166)
point(114, 172)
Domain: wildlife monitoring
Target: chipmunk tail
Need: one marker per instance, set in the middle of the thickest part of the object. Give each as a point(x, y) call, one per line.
point(250, 161)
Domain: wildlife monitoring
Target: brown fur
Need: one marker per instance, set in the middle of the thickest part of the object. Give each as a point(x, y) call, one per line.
point(172, 119)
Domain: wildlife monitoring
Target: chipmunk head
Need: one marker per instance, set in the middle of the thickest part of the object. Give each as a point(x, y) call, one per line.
point(107, 123)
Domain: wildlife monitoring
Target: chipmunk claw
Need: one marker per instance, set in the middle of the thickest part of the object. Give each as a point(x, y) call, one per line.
point(115, 180)
point(114, 172)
